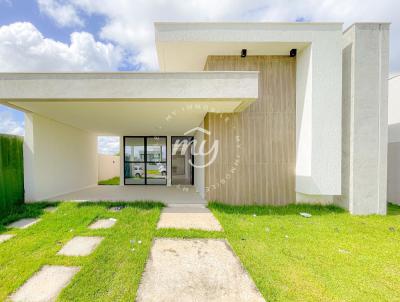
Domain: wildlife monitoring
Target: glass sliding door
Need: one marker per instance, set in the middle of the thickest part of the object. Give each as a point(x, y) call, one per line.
point(145, 160)
point(156, 163)
point(134, 148)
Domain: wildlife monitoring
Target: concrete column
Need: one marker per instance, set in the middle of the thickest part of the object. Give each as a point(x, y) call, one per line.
point(365, 121)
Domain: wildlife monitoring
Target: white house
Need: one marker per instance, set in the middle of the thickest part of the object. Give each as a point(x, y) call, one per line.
point(286, 112)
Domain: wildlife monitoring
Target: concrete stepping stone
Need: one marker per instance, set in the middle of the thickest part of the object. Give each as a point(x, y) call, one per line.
point(5, 237)
point(80, 246)
point(103, 224)
point(188, 217)
point(196, 269)
point(50, 209)
point(23, 223)
point(45, 285)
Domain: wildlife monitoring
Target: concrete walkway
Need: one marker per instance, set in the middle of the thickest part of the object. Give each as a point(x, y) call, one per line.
point(195, 270)
point(188, 217)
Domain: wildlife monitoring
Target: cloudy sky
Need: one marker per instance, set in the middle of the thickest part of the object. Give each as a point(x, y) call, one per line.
point(109, 35)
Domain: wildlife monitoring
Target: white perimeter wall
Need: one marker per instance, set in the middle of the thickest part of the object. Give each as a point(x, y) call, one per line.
point(108, 166)
point(58, 158)
point(393, 182)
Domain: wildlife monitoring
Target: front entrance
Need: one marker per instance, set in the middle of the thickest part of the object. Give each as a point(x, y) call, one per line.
point(145, 160)
point(182, 160)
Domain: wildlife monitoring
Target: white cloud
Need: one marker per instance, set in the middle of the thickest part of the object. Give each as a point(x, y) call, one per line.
point(9, 124)
point(108, 145)
point(129, 23)
point(63, 14)
point(24, 48)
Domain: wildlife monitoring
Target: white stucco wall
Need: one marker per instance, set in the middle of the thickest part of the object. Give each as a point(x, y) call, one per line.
point(108, 166)
point(58, 158)
point(318, 100)
point(393, 181)
point(394, 100)
point(365, 118)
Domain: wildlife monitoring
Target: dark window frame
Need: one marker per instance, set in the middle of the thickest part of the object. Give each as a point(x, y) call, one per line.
point(145, 162)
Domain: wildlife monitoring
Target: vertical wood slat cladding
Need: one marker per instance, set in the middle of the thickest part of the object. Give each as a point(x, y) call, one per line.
point(265, 172)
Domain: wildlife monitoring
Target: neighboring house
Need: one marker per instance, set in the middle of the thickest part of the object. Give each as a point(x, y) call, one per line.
point(394, 140)
point(287, 111)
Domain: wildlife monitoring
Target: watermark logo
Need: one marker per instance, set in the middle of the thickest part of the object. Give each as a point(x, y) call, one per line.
point(180, 147)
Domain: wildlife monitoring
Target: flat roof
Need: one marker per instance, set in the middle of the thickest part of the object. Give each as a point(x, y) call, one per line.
point(184, 46)
point(126, 103)
point(134, 86)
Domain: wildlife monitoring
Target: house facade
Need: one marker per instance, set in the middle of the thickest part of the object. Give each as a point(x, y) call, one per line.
point(247, 113)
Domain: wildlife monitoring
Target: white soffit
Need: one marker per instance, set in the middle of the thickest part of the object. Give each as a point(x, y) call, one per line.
point(185, 46)
point(129, 103)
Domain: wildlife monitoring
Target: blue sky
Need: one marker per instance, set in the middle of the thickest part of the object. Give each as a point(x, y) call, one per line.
point(109, 35)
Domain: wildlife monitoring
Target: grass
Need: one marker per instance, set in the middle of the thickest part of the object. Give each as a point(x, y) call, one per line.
point(112, 181)
point(331, 256)
point(111, 273)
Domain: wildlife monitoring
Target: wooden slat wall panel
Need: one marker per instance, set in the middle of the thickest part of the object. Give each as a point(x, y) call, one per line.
point(267, 133)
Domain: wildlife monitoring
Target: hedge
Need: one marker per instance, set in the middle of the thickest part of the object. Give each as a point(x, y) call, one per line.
point(11, 171)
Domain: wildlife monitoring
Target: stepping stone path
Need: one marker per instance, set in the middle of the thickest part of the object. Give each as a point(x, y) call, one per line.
point(23, 223)
point(188, 217)
point(80, 246)
point(5, 237)
point(50, 209)
point(45, 285)
point(103, 224)
point(195, 270)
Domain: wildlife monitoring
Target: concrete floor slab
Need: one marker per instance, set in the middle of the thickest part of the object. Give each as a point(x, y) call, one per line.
point(195, 270)
point(103, 224)
point(188, 217)
point(5, 237)
point(165, 194)
point(23, 223)
point(80, 246)
point(45, 285)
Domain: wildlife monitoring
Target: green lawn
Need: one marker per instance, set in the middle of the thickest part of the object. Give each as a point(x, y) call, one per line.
point(112, 181)
point(111, 273)
point(331, 256)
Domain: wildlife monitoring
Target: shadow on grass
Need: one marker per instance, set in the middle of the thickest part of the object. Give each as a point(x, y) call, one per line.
point(142, 204)
point(16, 212)
point(291, 209)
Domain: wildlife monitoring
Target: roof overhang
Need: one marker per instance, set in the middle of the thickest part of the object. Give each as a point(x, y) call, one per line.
point(129, 103)
point(185, 46)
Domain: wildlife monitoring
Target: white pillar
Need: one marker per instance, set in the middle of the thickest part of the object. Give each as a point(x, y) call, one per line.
point(365, 123)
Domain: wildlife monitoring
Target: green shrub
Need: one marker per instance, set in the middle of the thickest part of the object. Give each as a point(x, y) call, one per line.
point(11, 171)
